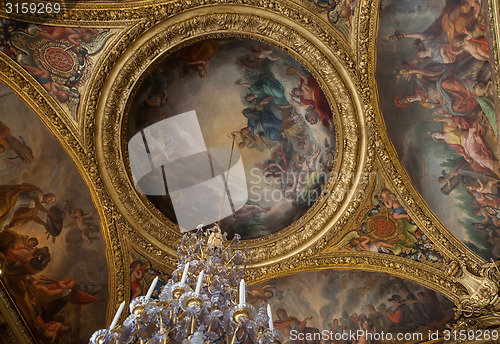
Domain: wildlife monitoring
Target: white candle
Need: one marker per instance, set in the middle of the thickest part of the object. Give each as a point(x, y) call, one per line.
point(242, 292)
point(185, 273)
point(198, 285)
point(270, 315)
point(117, 316)
point(151, 288)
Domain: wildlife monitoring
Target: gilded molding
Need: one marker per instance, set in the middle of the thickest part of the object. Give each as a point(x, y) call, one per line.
point(347, 75)
point(256, 24)
point(13, 318)
point(480, 282)
point(423, 274)
point(480, 307)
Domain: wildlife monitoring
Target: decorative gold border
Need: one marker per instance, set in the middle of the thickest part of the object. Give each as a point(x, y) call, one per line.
point(224, 21)
point(13, 318)
point(348, 79)
point(426, 275)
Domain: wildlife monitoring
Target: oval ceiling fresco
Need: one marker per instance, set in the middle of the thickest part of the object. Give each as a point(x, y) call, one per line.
point(231, 131)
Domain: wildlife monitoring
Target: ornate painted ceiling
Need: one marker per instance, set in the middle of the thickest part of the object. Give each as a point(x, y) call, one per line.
point(353, 145)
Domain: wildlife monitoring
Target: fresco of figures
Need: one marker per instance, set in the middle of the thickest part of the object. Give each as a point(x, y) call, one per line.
point(348, 301)
point(259, 104)
point(52, 251)
point(439, 108)
point(142, 273)
point(57, 57)
point(385, 227)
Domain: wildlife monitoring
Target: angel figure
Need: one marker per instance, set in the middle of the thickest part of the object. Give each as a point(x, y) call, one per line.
point(136, 273)
point(253, 60)
point(352, 241)
point(390, 201)
point(264, 293)
point(81, 221)
point(365, 243)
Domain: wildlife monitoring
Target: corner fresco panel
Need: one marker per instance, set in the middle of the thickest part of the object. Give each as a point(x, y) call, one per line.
point(52, 252)
point(142, 274)
point(385, 227)
point(434, 73)
point(59, 58)
point(339, 13)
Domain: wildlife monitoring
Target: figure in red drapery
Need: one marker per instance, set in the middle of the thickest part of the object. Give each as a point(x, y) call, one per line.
point(309, 93)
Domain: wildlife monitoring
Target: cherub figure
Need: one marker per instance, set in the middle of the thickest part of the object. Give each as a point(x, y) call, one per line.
point(254, 59)
point(390, 201)
point(264, 293)
point(53, 331)
point(73, 35)
point(136, 272)
point(81, 221)
point(364, 243)
point(45, 79)
point(478, 48)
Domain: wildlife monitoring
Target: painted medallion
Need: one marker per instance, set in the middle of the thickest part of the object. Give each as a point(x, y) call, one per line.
point(231, 131)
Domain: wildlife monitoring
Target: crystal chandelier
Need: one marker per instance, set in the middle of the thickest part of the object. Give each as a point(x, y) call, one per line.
point(199, 304)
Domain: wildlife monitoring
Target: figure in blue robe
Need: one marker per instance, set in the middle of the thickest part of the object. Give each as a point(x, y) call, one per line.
point(264, 87)
point(263, 121)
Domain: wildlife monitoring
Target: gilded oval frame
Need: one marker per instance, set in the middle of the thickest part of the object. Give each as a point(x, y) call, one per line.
point(232, 21)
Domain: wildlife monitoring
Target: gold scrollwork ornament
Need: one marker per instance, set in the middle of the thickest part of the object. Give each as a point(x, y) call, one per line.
point(480, 306)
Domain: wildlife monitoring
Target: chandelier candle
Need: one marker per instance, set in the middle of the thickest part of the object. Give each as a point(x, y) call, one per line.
point(117, 316)
point(242, 292)
point(151, 288)
point(198, 285)
point(270, 315)
point(185, 273)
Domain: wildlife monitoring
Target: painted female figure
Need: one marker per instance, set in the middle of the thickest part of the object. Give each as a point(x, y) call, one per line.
point(136, 272)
